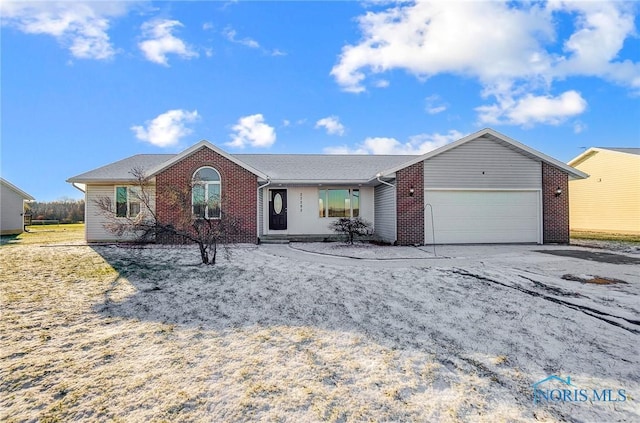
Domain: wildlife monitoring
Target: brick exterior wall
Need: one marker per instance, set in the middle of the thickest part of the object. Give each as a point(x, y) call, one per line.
point(410, 209)
point(238, 196)
point(555, 210)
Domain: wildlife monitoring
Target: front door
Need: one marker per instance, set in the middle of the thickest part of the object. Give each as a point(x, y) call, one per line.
point(278, 209)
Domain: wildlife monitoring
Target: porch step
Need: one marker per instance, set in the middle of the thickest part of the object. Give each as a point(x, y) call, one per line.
point(273, 241)
point(285, 239)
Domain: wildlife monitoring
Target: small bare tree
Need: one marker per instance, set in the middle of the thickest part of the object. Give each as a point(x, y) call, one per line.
point(145, 226)
point(351, 227)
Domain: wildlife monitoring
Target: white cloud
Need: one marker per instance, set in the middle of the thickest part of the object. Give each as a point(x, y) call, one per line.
point(427, 38)
point(381, 83)
point(251, 130)
point(511, 48)
point(434, 105)
point(530, 109)
point(159, 41)
point(277, 52)
point(80, 27)
point(579, 127)
point(332, 125)
point(167, 128)
point(417, 144)
point(230, 34)
point(600, 32)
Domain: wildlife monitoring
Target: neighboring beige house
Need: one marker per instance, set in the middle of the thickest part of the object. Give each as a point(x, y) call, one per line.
point(609, 200)
point(12, 201)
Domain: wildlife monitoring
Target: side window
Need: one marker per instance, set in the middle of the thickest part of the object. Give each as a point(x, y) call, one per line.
point(121, 201)
point(127, 202)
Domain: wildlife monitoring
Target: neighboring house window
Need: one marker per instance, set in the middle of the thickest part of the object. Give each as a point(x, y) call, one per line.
point(339, 202)
point(206, 193)
point(127, 202)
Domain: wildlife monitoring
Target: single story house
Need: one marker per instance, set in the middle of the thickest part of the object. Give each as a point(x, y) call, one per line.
point(12, 201)
point(609, 201)
point(483, 188)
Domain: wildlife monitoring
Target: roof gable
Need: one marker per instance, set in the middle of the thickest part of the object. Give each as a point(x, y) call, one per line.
point(591, 152)
point(17, 190)
point(204, 144)
point(496, 136)
point(626, 150)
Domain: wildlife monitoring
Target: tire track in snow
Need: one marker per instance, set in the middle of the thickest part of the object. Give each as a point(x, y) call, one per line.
point(598, 314)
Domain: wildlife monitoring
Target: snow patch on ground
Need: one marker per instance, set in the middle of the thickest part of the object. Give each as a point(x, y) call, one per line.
point(616, 246)
point(273, 333)
point(363, 250)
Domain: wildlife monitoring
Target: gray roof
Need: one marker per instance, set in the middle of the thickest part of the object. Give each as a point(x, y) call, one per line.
point(279, 167)
point(121, 170)
point(321, 167)
point(628, 150)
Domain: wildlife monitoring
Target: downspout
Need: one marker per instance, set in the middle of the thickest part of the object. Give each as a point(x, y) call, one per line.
point(258, 217)
point(378, 176)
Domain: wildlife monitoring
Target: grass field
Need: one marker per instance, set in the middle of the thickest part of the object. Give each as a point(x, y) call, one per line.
point(603, 236)
point(46, 234)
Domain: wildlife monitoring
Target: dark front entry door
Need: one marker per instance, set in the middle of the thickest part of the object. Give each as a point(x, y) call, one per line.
point(278, 209)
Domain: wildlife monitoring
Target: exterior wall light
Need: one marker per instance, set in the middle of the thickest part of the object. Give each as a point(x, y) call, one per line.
point(558, 192)
point(411, 192)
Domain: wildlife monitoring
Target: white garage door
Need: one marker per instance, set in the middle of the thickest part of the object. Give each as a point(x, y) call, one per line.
point(467, 217)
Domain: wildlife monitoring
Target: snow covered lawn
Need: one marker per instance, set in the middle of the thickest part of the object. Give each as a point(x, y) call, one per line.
point(278, 334)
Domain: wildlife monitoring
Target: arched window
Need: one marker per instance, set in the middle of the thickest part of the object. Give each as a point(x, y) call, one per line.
point(206, 193)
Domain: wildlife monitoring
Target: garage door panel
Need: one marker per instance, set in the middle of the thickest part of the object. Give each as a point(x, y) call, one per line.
point(482, 216)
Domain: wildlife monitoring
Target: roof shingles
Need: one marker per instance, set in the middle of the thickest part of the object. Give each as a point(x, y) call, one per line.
point(279, 167)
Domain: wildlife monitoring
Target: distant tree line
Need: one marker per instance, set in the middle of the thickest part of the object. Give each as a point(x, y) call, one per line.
point(65, 211)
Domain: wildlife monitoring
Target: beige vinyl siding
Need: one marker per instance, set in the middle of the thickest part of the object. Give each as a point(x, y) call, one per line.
point(609, 200)
point(385, 213)
point(482, 164)
point(94, 219)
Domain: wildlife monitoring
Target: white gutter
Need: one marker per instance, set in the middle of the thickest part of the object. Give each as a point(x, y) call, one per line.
point(378, 176)
point(78, 186)
point(258, 208)
point(317, 182)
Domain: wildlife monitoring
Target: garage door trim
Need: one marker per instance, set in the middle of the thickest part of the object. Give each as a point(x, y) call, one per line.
point(539, 209)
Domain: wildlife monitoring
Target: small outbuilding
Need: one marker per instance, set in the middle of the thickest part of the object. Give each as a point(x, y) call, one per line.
point(12, 201)
point(609, 200)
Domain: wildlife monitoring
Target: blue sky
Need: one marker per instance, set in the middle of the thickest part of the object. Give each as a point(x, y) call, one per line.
point(85, 84)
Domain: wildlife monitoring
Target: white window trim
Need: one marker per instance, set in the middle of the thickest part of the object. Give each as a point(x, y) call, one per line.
point(326, 203)
point(206, 192)
point(115, 196)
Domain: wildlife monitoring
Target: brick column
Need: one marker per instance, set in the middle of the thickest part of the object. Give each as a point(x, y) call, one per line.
point(410, 209)
point(555, 209)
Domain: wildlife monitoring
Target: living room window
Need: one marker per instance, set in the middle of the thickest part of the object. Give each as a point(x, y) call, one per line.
point(339, 202)
point(206, 193)
point(127, 202)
